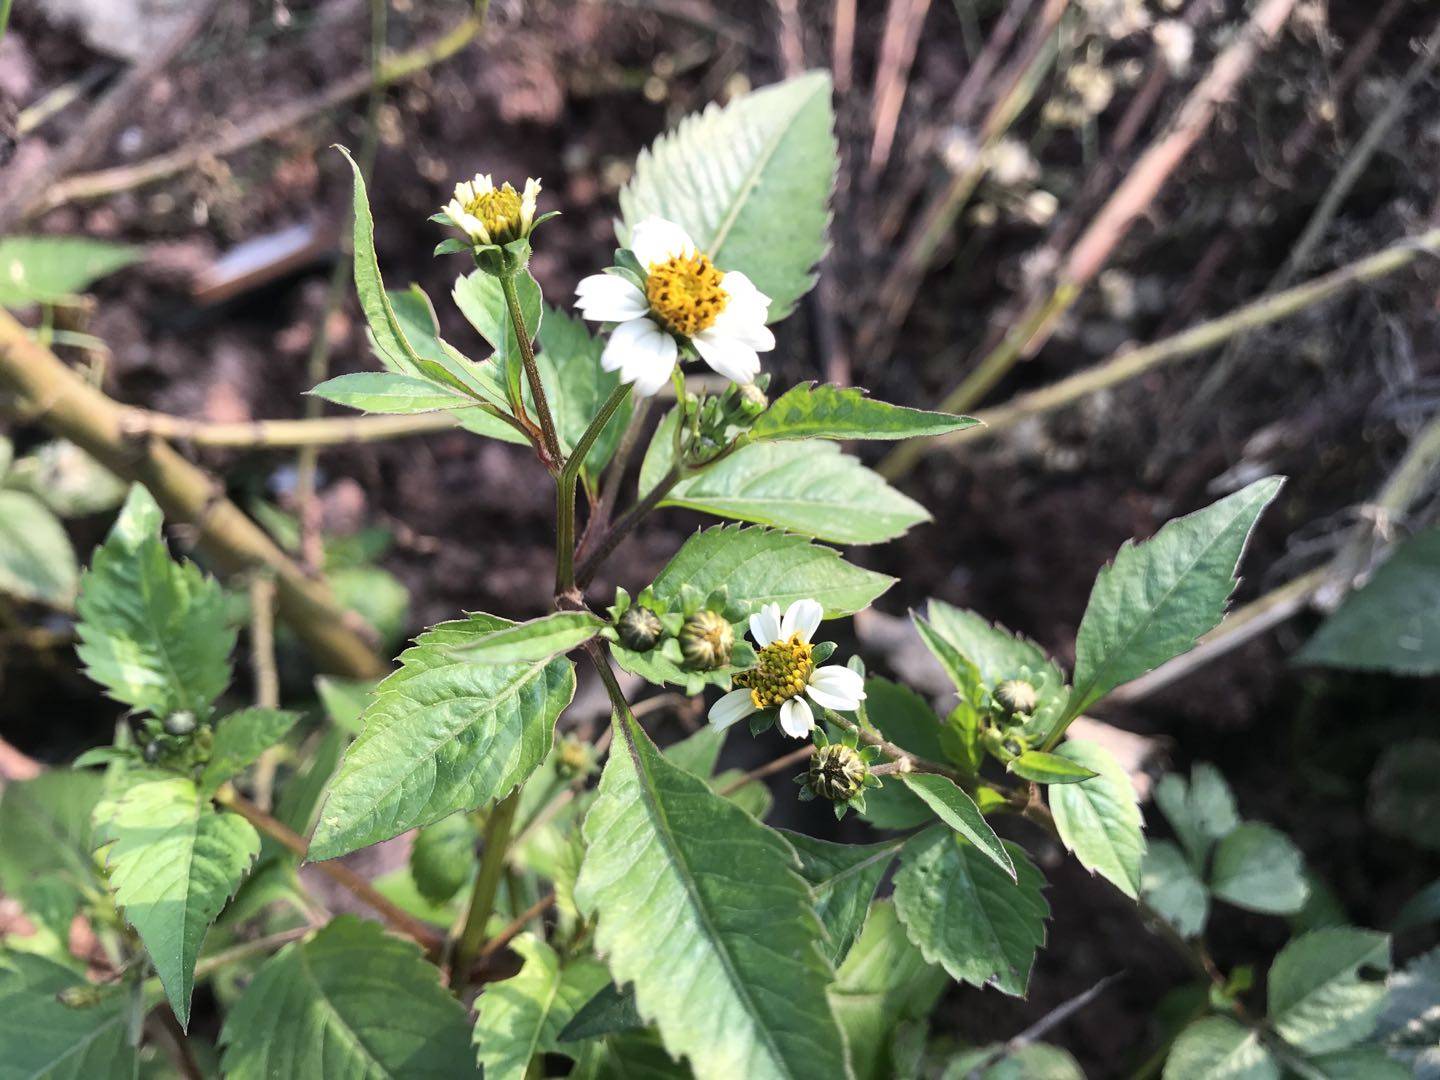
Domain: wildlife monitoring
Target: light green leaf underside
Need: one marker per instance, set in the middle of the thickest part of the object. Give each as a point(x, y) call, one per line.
point(240, 739)
point(389, 392)
point(758, 566)
point(536, 640)
point(1259, 869)
point(152, 631)
point(843, 878)
point(45, 1040)
point(53, 269)
point(443, 733)
point(351, 1004)
point(1218, 1048)
point(957, 810)
point(1326, 988)
point(883, 982)
point(522, 1017)
point(173, 862)
point(1169, 885)
point(966, 914)
point(750, 183)
point(739, 988)
point(1159, 596)
point(1393, 622)
point(1099, 819)
point(37, 561)
point(808, 487)
point(808, 411)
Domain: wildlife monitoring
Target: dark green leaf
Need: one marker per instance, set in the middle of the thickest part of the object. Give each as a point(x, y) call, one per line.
point(808, 411)
point(1046, 768)
point(1169, 885)
point(844, 878)
point(45, 1040)
point(533, 641)
point(957, 810)
point(443, 857)
point(240, 739)
point(1326, 989)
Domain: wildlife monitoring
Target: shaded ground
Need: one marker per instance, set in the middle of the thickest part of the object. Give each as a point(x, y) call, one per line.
point(571, 93)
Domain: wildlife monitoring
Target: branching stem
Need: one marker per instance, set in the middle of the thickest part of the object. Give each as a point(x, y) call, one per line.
point(487, 883)
point(550, 442)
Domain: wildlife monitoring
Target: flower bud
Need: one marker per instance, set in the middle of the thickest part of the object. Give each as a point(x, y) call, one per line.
point(573, 759)
point(152, 751)
point(837, 772)
point(706, 640)
point(181, 722)
point(1017, 696)
point(639, 628)
point(753, 400)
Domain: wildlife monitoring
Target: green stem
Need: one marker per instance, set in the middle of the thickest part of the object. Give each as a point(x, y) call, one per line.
point(622, 528)
point(565, 489)
point(4, 17)
point(550, 442)
point(487, 883)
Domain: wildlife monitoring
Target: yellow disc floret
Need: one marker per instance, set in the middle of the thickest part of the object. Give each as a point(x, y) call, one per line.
point(684, 291)
point(499, 211)
point(781, 672)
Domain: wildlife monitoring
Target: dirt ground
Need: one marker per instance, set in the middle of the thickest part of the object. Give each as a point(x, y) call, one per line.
point(571, 92)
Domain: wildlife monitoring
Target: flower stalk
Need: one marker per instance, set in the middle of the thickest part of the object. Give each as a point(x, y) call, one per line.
point(566, 484)
point(549, 441)
point(487, 884)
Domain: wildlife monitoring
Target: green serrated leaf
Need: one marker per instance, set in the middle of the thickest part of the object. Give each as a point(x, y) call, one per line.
point(173, 862)
point(481, 300)
point(1156, 599)
point(1392, 623)
point(389, 392)
point(36, 559)
point(1168, 883)
point(521, 1018)
point(843, 878)
point(351, 1002)
point(443, 857)
point(1259, 869)
point(750, 183)
point(608, 1012)
point(240, 739)
point(152, 631)
point(808, 411)
point(533, 641)
point(1326, 988)
point(1218, 1047)
point(808, 487)
point(1099, 819)
point(53, 269)
point(669, 860)
point(443, 733)
point(964, 912)
point(1046, 768)
point(957, 810)
point(906, 719)
point(45, 1040)
point(1409, 1026)
point(45, 843)
point(1201, 811)
point(883, 983)
point(756, 566)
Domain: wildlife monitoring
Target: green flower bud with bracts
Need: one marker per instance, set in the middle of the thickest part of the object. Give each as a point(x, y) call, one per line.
point(639, 628)
point(492, 215)
point(573, 759)
point(706, 641)
point(181, 722)
point(837, 772)
point(752, 400)
point(1017, 696)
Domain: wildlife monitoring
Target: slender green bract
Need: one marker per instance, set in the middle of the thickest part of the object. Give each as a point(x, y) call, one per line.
point(444, 733)
point(390, 392)
point(739, 988)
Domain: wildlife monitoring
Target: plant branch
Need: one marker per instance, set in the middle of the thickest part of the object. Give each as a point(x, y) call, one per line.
point(61, 400)
point(338, 872)
point(622, 528)
point(565, 489)
point(487, 883)
point(1130, 362)
point(266, 126)
point(549, 440)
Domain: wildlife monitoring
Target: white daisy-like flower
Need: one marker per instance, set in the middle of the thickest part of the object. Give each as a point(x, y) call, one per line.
point(491, 215)
point(685, 298)
point(785, 675)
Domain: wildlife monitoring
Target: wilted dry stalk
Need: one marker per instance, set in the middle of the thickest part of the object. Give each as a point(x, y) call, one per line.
point(904, 20)
point(59, 398)
point(1136, 193)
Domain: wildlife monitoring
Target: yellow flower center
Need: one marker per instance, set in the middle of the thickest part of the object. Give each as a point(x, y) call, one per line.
point(499, 212)
point(685, 292)
point(781, 671)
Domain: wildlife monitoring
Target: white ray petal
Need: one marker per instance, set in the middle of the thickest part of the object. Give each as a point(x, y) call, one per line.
point(728, 356)
point(765, 625)
point(643, 354)
point(836, 688)
point(656, 240)
point(796, 719)
point(803, 618)
point(731, 708)
point(609, 298)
